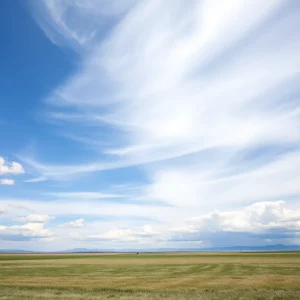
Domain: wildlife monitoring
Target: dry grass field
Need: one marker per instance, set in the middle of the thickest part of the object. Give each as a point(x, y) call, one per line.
point(206, 276)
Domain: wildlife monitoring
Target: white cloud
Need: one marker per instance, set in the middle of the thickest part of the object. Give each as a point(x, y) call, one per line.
point(79, 223)
point(13, 209)
point(260, 220)
point(34, 226)
point(84, 195)
point(257, 217)
point(190, 85)
point(24, 232)
point(91, 207)
point(14, 168)
point(202, 92)
point(35, 218)
point(7, 182)
point(114, 234)
point(124, 235)
point(275, 220)
point(223, 183)
point(76, 23)
point(3, 210)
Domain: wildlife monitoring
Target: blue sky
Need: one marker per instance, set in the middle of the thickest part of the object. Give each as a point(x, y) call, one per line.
point(143, 124)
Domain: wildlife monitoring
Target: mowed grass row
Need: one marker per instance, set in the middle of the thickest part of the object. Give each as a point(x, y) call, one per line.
point(151, 276)
point(9, 293)
point(154, 255)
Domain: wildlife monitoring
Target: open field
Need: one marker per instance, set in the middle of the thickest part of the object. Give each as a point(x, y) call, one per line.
point(151, 276)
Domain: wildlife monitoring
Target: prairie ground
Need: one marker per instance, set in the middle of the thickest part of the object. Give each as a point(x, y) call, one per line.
point(206, 276)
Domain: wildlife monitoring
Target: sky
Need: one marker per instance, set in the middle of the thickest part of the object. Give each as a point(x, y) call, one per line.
point(149, 124)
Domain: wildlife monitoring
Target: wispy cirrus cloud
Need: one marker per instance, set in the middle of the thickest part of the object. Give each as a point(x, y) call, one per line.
point(197, 81)
point(76, 24)
point(225, 184)
point(84, 195)
point(202, 98)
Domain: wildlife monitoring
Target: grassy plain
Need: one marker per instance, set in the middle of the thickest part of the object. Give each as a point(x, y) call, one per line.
point(207, 276)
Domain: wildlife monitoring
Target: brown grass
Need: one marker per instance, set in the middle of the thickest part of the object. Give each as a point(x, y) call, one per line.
point(168, 276)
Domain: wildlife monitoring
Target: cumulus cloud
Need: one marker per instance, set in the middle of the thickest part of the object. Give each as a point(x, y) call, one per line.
point(7, 182)
point(261, 220)
point(256, 217)
point(258, 220)
point(24, 232)
point(79, 223)
point(34, 218)
point(13, 168)
point(34, 226)
point(269, 222)
point(122, 235)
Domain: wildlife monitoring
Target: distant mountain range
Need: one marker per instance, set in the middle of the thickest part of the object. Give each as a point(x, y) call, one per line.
point(15, 251)
point(277, 247)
